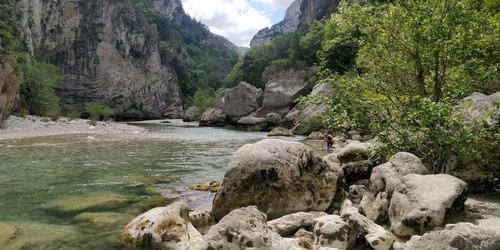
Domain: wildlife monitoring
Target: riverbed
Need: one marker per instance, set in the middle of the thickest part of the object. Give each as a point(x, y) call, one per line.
point(79, 191)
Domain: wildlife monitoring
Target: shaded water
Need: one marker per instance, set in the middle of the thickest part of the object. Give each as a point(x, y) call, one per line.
point(72, 192)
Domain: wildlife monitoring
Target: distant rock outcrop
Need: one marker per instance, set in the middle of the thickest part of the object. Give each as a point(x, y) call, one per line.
point(300, 11)
point(109, 52)
point(105, 54)
point(239, 101)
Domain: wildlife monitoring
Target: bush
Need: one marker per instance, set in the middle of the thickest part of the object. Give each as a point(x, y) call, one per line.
point(54, 114)
point(73, 115)
point(309, 125)
point(98, 111)
point(37, 90)
point(203, 99)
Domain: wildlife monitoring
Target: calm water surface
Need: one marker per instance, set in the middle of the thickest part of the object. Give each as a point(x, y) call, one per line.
point(72, 192)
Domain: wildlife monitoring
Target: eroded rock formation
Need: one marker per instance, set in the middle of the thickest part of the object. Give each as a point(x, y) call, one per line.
point(105, 53)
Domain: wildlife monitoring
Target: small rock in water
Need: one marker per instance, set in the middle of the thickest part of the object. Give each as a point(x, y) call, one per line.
point(90, 138)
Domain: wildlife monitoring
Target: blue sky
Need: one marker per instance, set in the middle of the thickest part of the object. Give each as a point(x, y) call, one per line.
point(237, 20)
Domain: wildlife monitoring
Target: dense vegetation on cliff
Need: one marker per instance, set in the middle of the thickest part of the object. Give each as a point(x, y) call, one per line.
point(399, 69)
point(204, 58)
point(36, 80)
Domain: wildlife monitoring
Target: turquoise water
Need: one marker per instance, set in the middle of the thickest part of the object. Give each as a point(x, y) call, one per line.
point(72, 192)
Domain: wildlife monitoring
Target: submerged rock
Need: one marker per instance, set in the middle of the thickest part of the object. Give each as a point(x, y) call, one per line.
point(7, 232)
point(102, 219)
point(212, 186)
point(279, 177)
point(92, 202)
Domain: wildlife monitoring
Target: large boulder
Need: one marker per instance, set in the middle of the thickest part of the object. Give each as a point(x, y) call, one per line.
point(463, 235)
point(478, 106)
point(213, 118)
point(252, 123)
point(283, 88)
point(162, 228)
point(239, 101)
point(383, 180)
point(277, 176)
point(191, 114)
point(244, 228)
point(479, 110)
point(299, 112)
point(421, 202)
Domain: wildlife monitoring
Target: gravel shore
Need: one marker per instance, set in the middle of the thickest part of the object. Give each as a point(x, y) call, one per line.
point(33, 126)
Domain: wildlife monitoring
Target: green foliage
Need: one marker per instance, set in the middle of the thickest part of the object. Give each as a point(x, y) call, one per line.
point(272, 56)
point(98, 111)
point(12, 50)
point(200, 59)
point(309, 125)
point(203, 99)
point(73, 115)
point(409, 63)
point(37, 90)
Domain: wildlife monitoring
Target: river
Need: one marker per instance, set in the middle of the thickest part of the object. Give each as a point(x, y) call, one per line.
point(76, 192)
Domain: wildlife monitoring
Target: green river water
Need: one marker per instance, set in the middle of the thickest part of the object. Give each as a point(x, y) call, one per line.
point(74, 192)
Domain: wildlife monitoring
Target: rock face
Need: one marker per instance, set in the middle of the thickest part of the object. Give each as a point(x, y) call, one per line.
point(239, 101)
point(9, 84)
point(282, 89)
point(278, 177)
point(162, 228)
point(421, 202)
point(104, 53)
point(300, 11)
point(299, 112)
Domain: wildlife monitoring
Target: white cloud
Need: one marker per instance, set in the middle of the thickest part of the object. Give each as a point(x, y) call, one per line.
point(277, 4)
point(237, 20)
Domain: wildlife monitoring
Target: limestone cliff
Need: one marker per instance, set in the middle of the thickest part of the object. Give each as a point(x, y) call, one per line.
point(300, 11)
point(106, 52)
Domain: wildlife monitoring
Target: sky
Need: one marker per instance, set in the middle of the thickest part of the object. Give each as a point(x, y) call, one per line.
point(237, 20)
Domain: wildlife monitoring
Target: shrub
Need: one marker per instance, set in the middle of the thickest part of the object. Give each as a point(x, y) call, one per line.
point(203, 99)
point(37, 90)
point(54, 114)
point(98, 111)
point(309, 125)
point(73, 115)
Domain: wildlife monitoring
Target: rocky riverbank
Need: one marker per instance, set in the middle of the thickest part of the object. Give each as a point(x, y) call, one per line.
point(283, 195)
point(33, 126)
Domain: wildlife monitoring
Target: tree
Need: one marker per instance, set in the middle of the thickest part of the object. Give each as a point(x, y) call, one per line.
point(413, 61)
point(37, 92)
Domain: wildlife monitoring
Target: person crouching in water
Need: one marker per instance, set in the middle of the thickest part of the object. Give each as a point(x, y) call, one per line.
point(328, 139)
